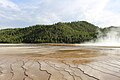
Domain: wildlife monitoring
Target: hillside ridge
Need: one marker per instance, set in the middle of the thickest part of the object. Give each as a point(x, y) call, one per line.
point(69, 32)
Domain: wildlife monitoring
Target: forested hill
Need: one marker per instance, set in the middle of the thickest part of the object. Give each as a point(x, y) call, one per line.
point(71, 32)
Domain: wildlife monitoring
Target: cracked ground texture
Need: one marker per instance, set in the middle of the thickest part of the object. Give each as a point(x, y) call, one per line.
point(59, 62)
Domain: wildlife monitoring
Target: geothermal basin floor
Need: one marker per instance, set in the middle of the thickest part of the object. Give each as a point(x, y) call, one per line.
point(51, 62)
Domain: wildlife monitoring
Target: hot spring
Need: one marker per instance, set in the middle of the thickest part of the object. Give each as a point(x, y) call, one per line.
point(110, 38)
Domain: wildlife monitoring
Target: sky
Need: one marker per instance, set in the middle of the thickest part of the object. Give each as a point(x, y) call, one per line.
point(24, 13)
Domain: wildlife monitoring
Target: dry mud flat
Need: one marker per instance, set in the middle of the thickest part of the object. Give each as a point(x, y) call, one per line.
point(59, 62)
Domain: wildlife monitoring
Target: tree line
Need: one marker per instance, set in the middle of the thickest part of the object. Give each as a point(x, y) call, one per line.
point(70, 32)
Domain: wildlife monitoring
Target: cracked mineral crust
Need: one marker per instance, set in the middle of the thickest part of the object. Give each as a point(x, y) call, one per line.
point(49, 62)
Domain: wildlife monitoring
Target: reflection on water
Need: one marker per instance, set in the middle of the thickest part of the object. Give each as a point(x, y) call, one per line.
point(45, 49)
point(111, 51)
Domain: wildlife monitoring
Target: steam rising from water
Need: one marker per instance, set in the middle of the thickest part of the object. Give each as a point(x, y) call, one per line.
point(110, 38)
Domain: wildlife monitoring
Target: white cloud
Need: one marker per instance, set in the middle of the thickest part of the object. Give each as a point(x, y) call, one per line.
point(101, 16)
point(50, 11)
point(109, 18)
point(69, 10)
point(8, 10)
point(8, 4)
point(48, 18)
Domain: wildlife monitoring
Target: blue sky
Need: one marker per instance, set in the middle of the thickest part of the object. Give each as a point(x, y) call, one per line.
point(23, 13)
